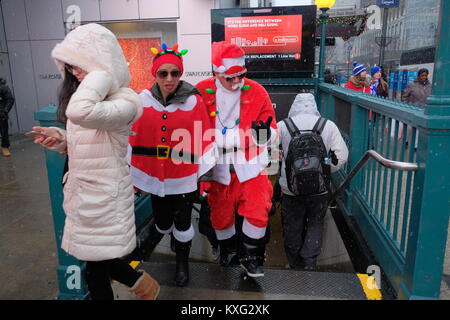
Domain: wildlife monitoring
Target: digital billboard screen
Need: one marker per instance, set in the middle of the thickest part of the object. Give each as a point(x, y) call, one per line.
point(278, 41)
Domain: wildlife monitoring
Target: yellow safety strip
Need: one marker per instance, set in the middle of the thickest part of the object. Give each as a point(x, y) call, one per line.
point(370, 287)
point(134, 264)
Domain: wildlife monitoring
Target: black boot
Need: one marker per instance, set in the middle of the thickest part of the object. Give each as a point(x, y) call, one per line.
point(182, 250)
point(228, 254)
point(250, 258)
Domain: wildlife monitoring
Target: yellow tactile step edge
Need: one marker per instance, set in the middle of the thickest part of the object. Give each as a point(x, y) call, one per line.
point(370, 287)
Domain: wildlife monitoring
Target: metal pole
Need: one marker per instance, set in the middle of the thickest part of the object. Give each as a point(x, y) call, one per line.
point(441, 75)
point(323, 34)
point(348, 64)
point(383, 36)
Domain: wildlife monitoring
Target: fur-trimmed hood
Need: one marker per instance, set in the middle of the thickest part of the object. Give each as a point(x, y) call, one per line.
point(93, 47)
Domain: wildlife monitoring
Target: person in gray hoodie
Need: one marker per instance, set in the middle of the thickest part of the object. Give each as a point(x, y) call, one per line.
point(303, 217)
point(419, 90)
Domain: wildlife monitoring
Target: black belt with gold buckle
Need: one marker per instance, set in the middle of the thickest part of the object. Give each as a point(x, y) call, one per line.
point(164, 152)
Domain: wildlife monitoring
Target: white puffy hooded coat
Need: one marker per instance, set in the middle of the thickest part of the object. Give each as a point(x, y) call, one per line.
point(304, 114)
point(98, 191)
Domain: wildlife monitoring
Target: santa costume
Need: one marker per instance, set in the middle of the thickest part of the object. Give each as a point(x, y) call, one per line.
point(239, 180)
point(168, 154)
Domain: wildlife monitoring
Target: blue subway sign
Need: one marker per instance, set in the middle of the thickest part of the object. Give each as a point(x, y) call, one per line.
point(388, 3)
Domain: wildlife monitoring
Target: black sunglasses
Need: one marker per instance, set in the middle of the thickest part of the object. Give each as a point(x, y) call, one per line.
point(163, 74)
point(241, 76)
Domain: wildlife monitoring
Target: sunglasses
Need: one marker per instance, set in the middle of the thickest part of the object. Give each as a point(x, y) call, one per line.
point(241, 76)
point(162, 74)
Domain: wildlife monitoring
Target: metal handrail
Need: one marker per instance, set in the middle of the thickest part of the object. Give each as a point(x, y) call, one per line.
point(398, 165)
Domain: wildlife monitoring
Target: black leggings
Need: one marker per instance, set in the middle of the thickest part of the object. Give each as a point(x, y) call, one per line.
point(4, 131)
point(173, 209)
point(100, 273)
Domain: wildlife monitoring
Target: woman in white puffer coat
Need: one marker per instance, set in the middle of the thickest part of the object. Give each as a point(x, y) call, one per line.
point(98, 110)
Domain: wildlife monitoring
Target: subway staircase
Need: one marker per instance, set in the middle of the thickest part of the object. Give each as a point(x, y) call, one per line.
point(209, 281)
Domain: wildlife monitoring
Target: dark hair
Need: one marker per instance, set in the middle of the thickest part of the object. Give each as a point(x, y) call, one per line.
point(67, 89)
point(2, 81)
point(423, 70)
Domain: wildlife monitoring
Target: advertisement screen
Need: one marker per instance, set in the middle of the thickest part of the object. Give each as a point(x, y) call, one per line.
point(266, 35)
point(278, 41)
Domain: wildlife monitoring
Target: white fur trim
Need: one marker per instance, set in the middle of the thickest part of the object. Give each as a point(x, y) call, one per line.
point(251, 231)
point(148, 101)
point(184, 236)
point(226, 233)
point(161, 188)
point(165, 231)
point(93, 47)
point(227, 63)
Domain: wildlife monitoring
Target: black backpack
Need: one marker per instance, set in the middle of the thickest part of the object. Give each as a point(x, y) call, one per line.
point(307, 161)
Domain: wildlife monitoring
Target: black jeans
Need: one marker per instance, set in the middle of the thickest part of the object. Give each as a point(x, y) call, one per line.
point(302, 221)
point(173, 209)
point(4, 131)
point(100, 273)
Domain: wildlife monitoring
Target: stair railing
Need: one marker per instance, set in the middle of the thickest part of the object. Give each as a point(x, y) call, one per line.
point(397, 165)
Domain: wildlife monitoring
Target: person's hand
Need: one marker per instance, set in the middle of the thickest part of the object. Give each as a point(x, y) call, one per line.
point(49, 138)
point(204, 189)
point(261, 131)
point(334, 159)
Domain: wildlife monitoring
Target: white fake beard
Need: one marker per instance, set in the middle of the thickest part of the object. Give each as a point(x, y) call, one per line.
point(238, 85)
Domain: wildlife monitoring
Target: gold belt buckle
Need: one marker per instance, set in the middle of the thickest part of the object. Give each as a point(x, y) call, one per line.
point(165, 149)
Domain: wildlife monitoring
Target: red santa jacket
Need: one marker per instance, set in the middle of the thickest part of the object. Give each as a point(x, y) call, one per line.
point(240, 148)
point(171, 149)
point(350, 85)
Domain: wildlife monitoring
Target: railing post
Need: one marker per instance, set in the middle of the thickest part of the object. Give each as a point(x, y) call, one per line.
point(70, 270)
point(429, 216)
point(431, 206)
point(358, 144)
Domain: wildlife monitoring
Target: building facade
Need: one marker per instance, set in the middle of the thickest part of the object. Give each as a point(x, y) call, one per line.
point(30, 29)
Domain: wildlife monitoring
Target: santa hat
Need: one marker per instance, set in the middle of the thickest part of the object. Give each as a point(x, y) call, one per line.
point(228, 59)
point(167, 56)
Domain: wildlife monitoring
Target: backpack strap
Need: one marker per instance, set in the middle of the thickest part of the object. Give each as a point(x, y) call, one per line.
point(320, 124)
point(290, 125)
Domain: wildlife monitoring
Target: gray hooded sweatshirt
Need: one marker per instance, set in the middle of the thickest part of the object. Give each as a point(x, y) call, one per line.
point(304, 113)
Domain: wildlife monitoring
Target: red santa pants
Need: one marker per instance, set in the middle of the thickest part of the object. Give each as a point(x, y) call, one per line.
point(251, 199)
